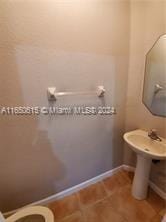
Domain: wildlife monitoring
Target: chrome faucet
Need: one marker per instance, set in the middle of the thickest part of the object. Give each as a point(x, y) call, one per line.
point(153, 135)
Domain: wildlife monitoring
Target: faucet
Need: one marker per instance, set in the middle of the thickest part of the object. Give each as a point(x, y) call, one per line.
point(153, 135)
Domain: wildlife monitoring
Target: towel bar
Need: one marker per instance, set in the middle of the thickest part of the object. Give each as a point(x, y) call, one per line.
point(52, 93)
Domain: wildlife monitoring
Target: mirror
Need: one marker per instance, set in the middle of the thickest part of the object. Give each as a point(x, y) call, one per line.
point(154, 92)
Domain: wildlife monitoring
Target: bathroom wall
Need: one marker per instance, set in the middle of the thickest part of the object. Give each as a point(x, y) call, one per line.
point(147, 23)
point(73, 45)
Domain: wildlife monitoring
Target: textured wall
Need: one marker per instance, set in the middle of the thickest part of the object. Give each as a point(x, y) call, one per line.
point(74, 45)
point(147, 23)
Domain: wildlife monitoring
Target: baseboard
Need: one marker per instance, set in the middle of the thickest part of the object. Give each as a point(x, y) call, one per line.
point(160, 192)
point(87, 183)
point(71, 190)
point(128, 168)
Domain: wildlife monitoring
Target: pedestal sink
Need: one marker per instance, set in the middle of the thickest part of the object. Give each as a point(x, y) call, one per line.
point(146, 150)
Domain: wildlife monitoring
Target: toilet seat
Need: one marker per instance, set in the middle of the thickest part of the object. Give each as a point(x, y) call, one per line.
point(35, 210)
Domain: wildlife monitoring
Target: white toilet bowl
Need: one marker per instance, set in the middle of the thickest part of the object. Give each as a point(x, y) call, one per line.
point(44, 212)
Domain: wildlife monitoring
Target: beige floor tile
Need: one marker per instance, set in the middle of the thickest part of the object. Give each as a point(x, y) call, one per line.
point(163, 212)
point(102, 212)
point(130, 208)
point(65, 207)
point(111, 184)
point(109, 201)
point(116, 182)
point(156, 201)
point(129, 175)
point(92, 194)
point(124, 177)
point(77, 217)
point(156, 218)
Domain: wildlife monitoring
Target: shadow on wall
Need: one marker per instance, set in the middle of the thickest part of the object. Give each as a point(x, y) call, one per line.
point(30, 168)
point(26, 154)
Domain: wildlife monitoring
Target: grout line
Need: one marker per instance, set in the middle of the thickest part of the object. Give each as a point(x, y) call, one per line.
point(78, 199)
point(107, 192)
point(85, 184)
point(154, 187)
point(85, 206)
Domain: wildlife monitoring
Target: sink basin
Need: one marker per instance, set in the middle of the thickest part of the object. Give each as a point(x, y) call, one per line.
point(146, 150)
point(144, 145)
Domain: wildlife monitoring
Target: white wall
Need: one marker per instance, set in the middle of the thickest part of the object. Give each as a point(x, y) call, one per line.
point(74, 45)
point(147, 23)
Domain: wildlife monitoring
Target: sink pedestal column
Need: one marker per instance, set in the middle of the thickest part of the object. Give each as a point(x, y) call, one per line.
point(141, 177)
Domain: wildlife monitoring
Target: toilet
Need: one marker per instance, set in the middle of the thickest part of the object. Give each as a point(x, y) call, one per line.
point(44, 212)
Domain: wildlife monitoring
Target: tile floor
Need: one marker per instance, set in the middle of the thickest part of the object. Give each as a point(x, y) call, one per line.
point(109, 201)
